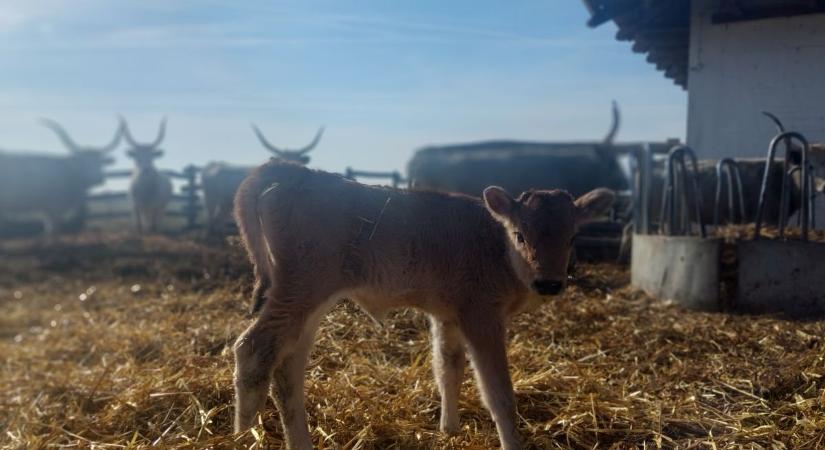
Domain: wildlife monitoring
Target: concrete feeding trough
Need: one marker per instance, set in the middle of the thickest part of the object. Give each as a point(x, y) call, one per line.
point(697, 271)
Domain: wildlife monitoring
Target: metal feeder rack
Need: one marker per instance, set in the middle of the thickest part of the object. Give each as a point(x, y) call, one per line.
point(681, 263)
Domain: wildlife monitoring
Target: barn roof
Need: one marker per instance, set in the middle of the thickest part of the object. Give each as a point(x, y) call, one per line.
point(661, 28)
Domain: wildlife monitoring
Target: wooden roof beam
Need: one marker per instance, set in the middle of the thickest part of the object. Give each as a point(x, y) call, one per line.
point(643, 45)
point(630, 33)
point(659, 58)
point(785, 8)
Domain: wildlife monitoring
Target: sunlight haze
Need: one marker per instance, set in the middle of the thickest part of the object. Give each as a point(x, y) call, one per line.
point(384, 77)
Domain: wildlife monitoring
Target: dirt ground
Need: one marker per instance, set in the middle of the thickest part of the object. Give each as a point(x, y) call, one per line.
point(113, 341)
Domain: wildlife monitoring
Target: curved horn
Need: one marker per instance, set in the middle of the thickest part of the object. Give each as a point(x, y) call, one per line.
point(266, 143)
point(127, 135)
point(775, 120)
point(61, 134)
point(614, 126)
point(131, 140)
point(114, 142)
point(313, 143)
point(161, 133)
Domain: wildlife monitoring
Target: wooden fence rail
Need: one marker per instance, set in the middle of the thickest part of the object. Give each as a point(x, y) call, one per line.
point(190, 191)
point(395, 176)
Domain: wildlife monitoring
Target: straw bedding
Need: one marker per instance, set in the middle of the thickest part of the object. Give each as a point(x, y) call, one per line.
point(118, 342)
point(733, 233)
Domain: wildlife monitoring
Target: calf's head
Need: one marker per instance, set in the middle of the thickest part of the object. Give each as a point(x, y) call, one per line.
point(542, 225)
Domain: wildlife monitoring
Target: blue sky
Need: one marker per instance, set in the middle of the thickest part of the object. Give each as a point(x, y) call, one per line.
point(385, 77)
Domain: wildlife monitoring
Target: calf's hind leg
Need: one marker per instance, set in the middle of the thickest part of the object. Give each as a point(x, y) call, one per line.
point(288, 386)
point(257, 352)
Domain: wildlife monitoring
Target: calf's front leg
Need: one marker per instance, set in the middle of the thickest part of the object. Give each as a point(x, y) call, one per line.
point(448, 368)
point(485, 336)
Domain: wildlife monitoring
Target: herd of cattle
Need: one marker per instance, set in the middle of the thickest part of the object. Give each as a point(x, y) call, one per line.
point(54, 188)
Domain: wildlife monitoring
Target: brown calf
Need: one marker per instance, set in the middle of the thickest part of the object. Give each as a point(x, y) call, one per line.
point(316, 238)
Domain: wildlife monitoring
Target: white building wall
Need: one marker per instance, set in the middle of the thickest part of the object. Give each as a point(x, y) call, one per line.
point(739, 69)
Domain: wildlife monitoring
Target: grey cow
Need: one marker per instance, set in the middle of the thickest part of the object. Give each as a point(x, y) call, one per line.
point(51, 186)
point(221, 180)
point(577, 167)
point(150, 189)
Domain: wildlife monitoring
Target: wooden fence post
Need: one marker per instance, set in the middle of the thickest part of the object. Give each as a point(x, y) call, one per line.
point(191, 189)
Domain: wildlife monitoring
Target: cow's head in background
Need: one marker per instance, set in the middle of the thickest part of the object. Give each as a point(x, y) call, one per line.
point(299, 156)
point(144, 154)
point(816, 160)
point(816, 154)
point(89, 160)
point(541, 225)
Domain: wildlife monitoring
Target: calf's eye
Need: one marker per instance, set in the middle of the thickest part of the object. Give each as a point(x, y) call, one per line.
point(519, 237)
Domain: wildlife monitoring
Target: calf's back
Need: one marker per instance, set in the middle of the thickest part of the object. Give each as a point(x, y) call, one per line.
point(327, 234)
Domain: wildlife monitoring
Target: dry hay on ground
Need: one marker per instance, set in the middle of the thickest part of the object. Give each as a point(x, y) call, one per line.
point(747, 232)
point(113, 342)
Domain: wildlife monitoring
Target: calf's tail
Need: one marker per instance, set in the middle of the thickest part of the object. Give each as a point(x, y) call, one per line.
point(249, 224)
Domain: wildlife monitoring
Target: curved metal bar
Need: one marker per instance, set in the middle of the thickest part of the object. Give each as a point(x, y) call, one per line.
point(676, 156)
point(645, 164)
point(717, 198)
point(785, 200)
point(731, 169)
point(743, 213)
point(696, 191)
point(787, 136)
point(811, 196)
point(666, 226)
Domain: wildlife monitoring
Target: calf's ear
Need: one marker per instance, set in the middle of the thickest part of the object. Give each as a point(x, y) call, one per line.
point(498, 201)
point(593, 204)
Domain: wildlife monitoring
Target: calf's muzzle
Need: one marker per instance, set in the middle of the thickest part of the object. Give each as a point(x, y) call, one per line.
point(548, 287)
